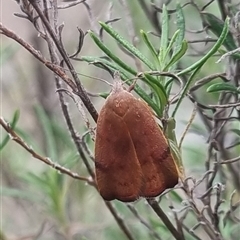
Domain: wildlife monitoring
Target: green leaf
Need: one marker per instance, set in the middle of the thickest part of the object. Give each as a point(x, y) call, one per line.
point(181, 28)
point(164, 35)
point(171, 136)
point(186, 87)
point(177, 56)
point(96, 60)
point(149, 45)
point(13, 124)
point(216, 25)
point(236, 131)
point(126, 44)
point(219, 87)
point(148, 100)
point(212, 51)
point(154, 83)
point(177, 158)
point(110, 54)
point(172, 41)
point(159, 90)
point(179, 48)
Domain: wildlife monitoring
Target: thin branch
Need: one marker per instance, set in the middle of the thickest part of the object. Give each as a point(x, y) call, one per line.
point(119, 220)
point(194, 112)
point(219, 190)
point(71, 4)
point(137, 215)
point(232, 160)
point(79, 105)
point(225, 105)
point(56, 69)
point(177, 220)
point(81, 92)
point(203, 81)
point(156, 208)
point(206, 40)
point(191, 232)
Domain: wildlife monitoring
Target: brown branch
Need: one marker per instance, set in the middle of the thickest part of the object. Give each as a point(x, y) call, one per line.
point(225, 105)
point(205, 80)
point(232, 160)
point(157, 209)
point(71, 4)
point(137, 215)
point(56, 69)
point(176, 217)
point(119, 220)
point(81, 92)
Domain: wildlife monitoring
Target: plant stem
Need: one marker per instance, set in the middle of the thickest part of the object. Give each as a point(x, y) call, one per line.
point(156, 208)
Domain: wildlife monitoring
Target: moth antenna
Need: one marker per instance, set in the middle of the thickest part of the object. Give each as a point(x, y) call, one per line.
point(92, 77)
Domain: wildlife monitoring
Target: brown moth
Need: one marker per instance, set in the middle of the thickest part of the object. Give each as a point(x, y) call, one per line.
point(132, 156)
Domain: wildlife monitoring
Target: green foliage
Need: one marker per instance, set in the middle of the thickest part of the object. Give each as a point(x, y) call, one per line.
point(163, 60)
point(218, 87)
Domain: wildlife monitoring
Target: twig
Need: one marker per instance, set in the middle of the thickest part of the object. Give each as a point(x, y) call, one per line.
point(188, 126)
point(71, 4)
point(81, 92)
point(219, 189)
point(206, 40)
point(177, 220)
point(79, 105)
point(225, 105)
point(56, 69)
point(203, 81)
point(206, 224)
point(136, 214)
point(119, 220)
point(92, 17)
point(155, 206)
point(191, 232)
point(228, 54)
point(230, 160)
point(198, 182)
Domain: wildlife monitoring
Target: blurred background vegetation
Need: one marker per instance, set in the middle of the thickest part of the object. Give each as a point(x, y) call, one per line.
point(39, 202)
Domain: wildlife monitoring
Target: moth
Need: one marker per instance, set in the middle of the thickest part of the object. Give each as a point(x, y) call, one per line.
point(132, 156)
